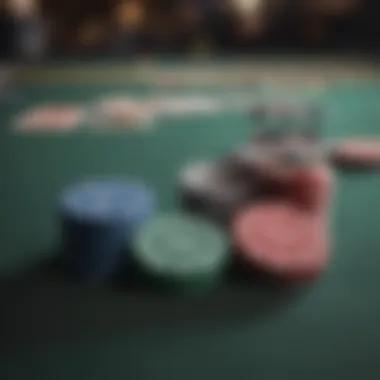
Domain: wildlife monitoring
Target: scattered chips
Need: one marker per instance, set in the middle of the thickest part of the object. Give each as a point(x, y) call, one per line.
point(357, 153)
point(184, 105)
point(121, 112)
point(50, 117)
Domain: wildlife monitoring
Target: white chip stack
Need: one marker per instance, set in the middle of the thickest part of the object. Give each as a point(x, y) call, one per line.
point(210, 188)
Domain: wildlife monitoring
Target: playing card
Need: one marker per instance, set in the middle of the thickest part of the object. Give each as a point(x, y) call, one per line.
point(49, 117)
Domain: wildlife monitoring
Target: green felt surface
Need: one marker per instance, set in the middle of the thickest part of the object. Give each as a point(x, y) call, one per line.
point(54, 329)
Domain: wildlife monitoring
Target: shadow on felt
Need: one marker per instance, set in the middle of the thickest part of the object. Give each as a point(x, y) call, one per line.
point(44, 305)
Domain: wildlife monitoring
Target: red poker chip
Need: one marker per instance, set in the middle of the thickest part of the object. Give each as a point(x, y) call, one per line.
point(58, 117)
point(358, 152)
point(282, 240)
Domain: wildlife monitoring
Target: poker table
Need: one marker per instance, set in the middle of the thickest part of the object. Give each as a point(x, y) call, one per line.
point(53, 328)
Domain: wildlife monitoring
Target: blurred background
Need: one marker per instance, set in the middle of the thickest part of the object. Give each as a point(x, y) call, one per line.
point(50, 29)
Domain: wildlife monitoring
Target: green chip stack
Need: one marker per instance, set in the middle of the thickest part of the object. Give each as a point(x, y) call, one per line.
point(182, 252)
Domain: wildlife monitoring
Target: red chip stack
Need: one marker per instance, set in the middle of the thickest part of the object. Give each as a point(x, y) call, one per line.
point(282, 240)
point(289, 237)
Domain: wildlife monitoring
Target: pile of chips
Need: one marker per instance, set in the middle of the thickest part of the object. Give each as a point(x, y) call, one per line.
point(271, 194)
point(108, 224)
point(268, 201)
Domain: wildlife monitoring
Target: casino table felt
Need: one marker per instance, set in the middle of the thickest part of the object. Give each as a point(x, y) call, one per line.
point(329, 330)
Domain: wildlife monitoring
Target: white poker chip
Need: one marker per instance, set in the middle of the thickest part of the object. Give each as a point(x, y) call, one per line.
point(212, 184)
point(253, 156)
point(203, 178)
point(181, 106)
point(198, 176)
point(122, 112)
point(247, 154)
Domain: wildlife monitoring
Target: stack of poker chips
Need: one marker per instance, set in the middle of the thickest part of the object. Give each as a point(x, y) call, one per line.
point(188, 251)
point(288, 137)
point(106, 224)
point(272, 194)
point(98, 219)
point(182, 252)
point(289, 237)
point(286, 118)
point(214, 190)
point(254, 170)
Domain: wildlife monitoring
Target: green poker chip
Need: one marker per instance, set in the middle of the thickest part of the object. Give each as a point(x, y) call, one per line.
point(184, 252)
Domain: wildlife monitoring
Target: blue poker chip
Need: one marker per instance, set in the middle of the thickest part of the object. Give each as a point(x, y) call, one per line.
point(97, 220)
point(107, 200)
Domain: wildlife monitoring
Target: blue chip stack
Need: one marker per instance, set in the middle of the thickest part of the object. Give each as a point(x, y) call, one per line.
point(97, 219)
